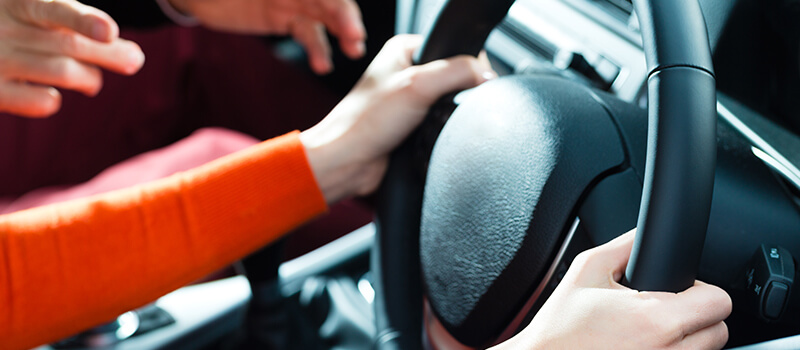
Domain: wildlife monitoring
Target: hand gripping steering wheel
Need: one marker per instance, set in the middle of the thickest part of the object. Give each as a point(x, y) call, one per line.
point(477, 200)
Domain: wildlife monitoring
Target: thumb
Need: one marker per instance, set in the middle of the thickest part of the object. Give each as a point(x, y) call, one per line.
point(70, 14)
point(605, 264)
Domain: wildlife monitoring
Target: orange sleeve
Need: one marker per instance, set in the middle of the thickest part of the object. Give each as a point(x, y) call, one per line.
point(72, 265)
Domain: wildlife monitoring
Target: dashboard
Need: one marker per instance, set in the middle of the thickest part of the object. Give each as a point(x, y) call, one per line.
point(755, 46)
point(597, 41)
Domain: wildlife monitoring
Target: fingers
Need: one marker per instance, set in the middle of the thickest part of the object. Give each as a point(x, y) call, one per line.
point(712, 337)
point(696, 308)
point(435, 79)
point(120, 56)
point(694, 316)
point(58, 43)
point(343, 19)
point(29, 100)
point(58, 71)
point(311, 35)
point(69, 14)
point(424, 84)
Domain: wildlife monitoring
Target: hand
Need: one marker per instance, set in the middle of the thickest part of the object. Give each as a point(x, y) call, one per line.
point(348, 150)
point(305, 20)
point(589, 308)
point(57, 43)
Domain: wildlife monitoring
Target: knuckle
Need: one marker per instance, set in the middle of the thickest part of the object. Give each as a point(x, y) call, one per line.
point(394, 42)
point(333, 11)
point(661, 331)
point(398, 42)
point(36, 10)
point(70, 43)
point(62, 70)
point(412, 84)
point(581, 259)
point(468, 64)
point(665, 331)
point(671, 331)
point(584, 259)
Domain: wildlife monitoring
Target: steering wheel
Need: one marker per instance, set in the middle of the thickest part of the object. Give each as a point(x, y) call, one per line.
point(476, 203)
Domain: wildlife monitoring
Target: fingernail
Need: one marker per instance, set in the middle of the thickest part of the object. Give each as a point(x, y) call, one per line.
point(489, 75)
point(361, 49)
point(52, 105)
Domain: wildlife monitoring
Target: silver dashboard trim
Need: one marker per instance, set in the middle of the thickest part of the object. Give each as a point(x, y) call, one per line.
point(771, 156)
point(515, 323)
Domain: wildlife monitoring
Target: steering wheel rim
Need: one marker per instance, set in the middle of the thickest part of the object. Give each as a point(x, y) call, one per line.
point(679, 173)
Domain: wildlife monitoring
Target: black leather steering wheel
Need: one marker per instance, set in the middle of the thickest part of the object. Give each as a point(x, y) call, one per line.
point(483, 253)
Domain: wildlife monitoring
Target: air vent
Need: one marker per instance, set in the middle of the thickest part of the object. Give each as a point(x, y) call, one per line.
point(623, 5)
point(620, 9)
point(528, 38)
point(615, 14)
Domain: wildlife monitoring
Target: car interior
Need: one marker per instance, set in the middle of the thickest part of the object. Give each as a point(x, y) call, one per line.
point(679, 118)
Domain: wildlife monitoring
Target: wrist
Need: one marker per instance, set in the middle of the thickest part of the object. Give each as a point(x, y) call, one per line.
point(337, 167)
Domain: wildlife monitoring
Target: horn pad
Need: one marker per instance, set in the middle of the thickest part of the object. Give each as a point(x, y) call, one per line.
point(505, 175)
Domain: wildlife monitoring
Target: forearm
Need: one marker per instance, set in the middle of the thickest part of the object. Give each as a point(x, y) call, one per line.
point(95, 258)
